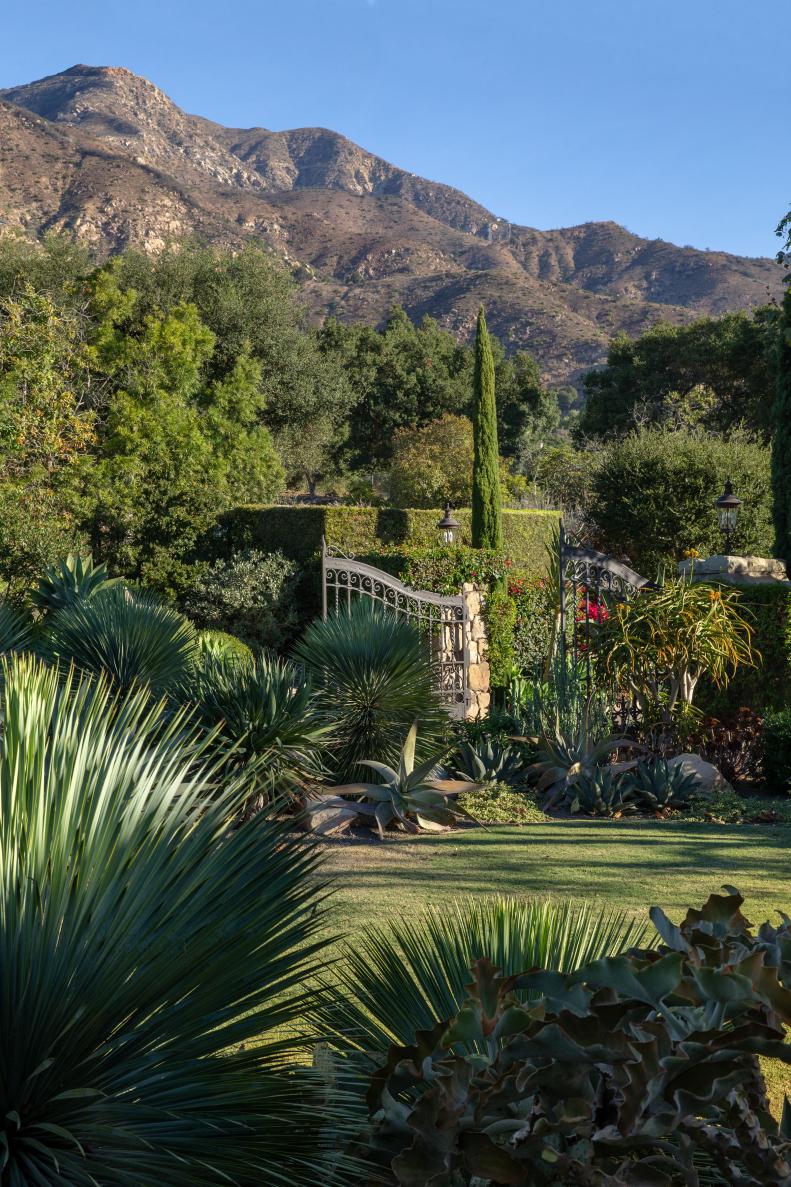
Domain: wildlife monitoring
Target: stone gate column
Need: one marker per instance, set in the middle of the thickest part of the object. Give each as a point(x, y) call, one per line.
point(476, 646)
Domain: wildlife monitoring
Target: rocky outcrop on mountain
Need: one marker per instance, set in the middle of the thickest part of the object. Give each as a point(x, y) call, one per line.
point(106, 155)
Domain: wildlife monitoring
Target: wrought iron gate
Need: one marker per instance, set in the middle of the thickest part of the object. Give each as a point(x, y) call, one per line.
point(442, 621)
point(590, 582)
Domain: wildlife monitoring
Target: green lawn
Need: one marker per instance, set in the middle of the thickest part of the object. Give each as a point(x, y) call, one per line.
point(631, 865)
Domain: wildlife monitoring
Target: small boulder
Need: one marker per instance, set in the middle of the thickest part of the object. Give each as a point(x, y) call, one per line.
point(711, 779)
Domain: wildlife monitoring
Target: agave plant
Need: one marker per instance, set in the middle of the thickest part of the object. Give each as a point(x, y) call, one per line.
point(72, 579)
point(566, 754)
point(411, 798)
point(128, 637)
point(221, 645)
point(373, 679)
point(399, 979)
point(266, 710)
point(152, 966)
point(600, 792)
point(658, 787)
point(489, 761)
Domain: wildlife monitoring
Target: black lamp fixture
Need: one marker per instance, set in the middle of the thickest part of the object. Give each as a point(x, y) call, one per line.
point(448, 526)
point(728, 513)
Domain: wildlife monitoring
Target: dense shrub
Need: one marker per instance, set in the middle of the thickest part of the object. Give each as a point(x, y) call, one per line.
point(653, 496)
point(767, 608)
point(500, 617)
point(534, 623)
point(777, 750)
point(251, 595)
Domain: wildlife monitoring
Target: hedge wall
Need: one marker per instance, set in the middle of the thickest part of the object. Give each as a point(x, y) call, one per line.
point(364, 531)
point(768, 610)
point(297, 531)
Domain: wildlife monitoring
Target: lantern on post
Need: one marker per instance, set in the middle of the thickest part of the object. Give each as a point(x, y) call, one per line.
point(728, 513)
point(448, 526)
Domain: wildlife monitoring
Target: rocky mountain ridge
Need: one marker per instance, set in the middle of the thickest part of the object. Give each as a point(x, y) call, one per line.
point(107, 156)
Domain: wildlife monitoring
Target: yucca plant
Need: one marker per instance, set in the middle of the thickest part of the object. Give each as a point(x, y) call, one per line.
point(266, 710)
point(152, 965)
point(131, 638)
point(73, 578)
point(658, 787)
point(401, 978)
point(489, 761)
point(16, 629)
point(600, 792)
point(411, 798)
point(373, 678)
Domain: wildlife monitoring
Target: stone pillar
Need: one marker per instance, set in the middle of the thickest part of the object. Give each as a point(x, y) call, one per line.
point(735, 570)
point(476, 646)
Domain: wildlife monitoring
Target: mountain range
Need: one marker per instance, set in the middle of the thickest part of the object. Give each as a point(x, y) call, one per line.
point(103, 154)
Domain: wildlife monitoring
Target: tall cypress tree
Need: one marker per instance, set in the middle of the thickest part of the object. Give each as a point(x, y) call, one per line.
point(781, 439)
point(487, 524)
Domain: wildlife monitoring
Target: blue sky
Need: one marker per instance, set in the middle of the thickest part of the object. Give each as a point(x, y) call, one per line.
point(669, 116)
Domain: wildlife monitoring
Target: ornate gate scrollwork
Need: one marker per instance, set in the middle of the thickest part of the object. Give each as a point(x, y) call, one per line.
point(590, 582)
point(441, 620)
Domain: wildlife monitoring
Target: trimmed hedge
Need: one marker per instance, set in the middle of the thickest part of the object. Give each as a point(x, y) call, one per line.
point(387, 537)
point(768, 686)
point(297, 531)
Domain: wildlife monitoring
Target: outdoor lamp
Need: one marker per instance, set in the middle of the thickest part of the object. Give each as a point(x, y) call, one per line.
point(448, 526)
point(727, 513)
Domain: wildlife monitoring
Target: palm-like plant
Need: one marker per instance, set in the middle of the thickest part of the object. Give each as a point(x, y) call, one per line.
point(152, 966)
point(660, 643)
point(401, 978)
point(373, 678)
point(266, 710)
point(128, 637)
point(72, 579)
point(411, 798)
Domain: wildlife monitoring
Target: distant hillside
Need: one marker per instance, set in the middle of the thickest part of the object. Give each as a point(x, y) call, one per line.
point(105, 154)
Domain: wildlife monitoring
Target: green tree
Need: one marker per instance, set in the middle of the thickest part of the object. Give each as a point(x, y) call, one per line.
point(177, 444)
point(403, 377)
point(46, 432)
point(648, 380)
point(781, 414)
point(249, 303)
point(487, 527)
point(653, 493)
point(432, 465)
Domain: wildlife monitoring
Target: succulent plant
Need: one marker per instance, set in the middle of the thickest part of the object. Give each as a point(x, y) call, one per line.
point(658, 787)
point(569, 752)
point(489, 761)
point(412, 798)
point(71, 579)
point(640, 1068)
point(600, 792)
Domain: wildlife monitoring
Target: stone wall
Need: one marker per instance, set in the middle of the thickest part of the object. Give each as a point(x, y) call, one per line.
point(479, 695)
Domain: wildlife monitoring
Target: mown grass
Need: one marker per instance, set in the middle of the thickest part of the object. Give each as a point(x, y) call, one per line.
point(632, 865)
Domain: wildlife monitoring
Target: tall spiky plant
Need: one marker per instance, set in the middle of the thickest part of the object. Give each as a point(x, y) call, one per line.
point(487, 526)
point(152, 965)
point(400, 978)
